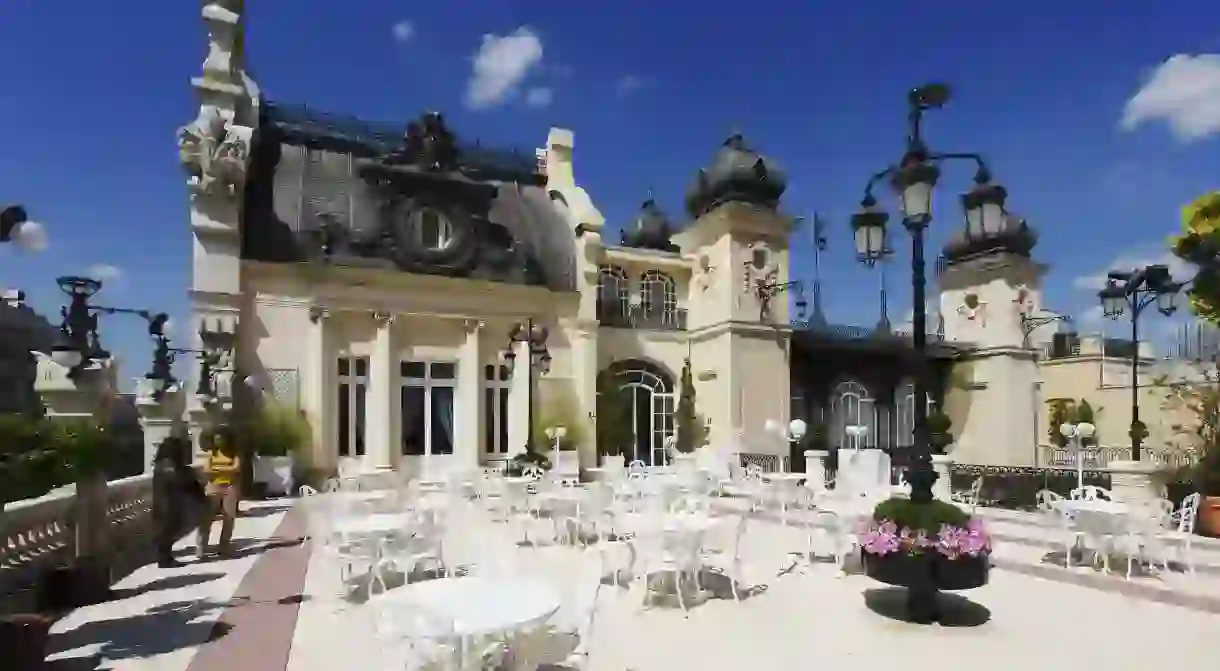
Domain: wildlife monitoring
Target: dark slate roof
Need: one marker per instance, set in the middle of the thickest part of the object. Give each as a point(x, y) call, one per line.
point(299, 124)
point(23, 328)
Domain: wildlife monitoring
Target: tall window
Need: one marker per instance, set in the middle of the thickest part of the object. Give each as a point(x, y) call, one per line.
point(495, 409)
point(353, 383)
point(613, 290)
point(660, 296)
point(428, 391)
point(852, 405)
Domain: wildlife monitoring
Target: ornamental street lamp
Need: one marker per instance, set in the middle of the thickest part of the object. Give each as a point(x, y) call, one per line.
point(534, 336)
point(16, 227)
point(913, 179)
point(1077, 434)
point(1129, 292)
point(78, 345)
point(161, 373)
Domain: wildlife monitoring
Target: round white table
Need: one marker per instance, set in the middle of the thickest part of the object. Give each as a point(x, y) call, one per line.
point(480, 606)
point(370, 525)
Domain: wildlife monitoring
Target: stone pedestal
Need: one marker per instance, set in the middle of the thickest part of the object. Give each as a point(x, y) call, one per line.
point(159, 418)
point(943, 465)
point(815, 468)
point(1132, 481)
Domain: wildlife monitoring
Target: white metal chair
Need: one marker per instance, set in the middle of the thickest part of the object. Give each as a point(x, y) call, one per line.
point(969, 499)
point(725, 552)
point(1057, 522)
point(1177, 539)
point(1091, 493)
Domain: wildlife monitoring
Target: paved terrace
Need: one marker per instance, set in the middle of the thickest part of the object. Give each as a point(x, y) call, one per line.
point(254, 612)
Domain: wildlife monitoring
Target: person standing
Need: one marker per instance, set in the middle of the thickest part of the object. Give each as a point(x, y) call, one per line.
point(174, 489)
point(223, 469)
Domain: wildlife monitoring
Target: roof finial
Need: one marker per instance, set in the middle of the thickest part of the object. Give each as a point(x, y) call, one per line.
point(648, 197)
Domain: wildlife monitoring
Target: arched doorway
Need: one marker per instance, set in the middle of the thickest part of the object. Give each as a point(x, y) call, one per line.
point(650, 393)
point(852, 405)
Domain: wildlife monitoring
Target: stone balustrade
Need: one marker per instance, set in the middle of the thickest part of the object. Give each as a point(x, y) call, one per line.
point(39, 533)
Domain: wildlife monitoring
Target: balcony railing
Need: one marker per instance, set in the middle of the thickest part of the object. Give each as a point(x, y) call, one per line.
point(36, 534)
point(618, 315)
point(1097, 457)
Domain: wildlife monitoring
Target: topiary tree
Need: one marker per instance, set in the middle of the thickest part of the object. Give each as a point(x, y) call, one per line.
point(1062, 411)
point(940, 435)
point(691, 429)
point(1085, 413)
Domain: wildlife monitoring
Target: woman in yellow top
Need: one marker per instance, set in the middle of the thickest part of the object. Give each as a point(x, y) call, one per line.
point(223, 470)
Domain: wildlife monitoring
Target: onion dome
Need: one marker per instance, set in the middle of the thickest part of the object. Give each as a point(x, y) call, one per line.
point(737, 174)
point(650, 229)
point(1013, 236)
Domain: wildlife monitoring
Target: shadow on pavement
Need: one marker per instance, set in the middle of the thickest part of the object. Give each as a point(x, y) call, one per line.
point(158, 631)
point(955, 611)
point(167, 583)
point(266, 511)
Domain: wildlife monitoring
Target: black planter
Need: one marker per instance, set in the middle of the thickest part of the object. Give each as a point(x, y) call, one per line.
point(925, 575)
point(23, 641)
point(83, 582)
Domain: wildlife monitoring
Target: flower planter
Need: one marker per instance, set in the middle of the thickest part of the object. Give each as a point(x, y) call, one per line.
point(1209, 516)
point(23, 640)
point(275, 473)
point(925, 575)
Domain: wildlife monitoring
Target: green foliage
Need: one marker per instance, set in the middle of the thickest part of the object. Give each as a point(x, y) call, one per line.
point(614, 432)
point(84, 446)
point(691, 429)
point(275, 431)
point(1199, 244)
point(1084, 413)
point(1206, 475)
point(1070, 411)
point(927, 517)
point(940, 435)
point(28, 465)
point(559, 407)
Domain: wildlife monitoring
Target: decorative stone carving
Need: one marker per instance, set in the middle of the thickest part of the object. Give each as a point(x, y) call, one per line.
point(973, 309)
point(1024, 301)
point(223, 21)
point(214, 152)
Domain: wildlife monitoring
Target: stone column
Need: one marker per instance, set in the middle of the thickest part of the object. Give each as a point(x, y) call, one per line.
point(518, 400)
point(943, 465)
point(1132, 481)
point(317, 389)
point(815, 468)
point(584, 377)
point(468, 413)
point(380, 407)
point(158, 418)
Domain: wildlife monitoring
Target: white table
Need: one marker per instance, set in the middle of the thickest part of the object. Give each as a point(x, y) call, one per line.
point(783, 477)
point(374, 525)
point(482, 606)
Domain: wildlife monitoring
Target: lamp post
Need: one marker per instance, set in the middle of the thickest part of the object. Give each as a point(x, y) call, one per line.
point(556, 434)
point(161, 373)
point(914, 179)
point(1129, 292)
point(1078, 433)
point(78, 344)
point(534, 337)
point(16, 227)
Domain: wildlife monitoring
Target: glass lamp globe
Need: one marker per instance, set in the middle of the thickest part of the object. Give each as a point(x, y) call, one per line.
point(1113, 301)
point(30, 236)
point(1085, 430)
point(550, 432)
point(797, 428)
point(561, 432)
point(868, 231)
point(1167, 301)
point(1067, 430)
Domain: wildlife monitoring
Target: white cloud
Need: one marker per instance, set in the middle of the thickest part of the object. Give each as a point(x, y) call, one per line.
point(1184, 92)
point(630, 84)
point(500, 65)
point(539, 97)
point(104, 272)
point(1137, 258)
point(403, 31)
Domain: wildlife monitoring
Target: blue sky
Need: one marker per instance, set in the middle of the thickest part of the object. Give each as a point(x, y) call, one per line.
point(95, 91)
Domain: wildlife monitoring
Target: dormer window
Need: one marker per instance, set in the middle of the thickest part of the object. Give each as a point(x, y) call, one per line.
point(433, 230)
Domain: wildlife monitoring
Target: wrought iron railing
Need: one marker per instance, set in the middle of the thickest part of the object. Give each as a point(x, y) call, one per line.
point(1017, 487)
point(767, 463)
point(1100, 456)
point(617, 315)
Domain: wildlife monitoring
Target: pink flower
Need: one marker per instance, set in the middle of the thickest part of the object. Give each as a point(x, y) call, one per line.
point(881, 539)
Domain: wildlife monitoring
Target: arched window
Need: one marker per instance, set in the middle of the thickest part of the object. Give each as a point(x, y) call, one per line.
point(613, 290)
point(650, 392)
point(659, 296)
point(852, 405)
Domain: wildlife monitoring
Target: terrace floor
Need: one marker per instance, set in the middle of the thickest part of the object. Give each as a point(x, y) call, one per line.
point(254, 612)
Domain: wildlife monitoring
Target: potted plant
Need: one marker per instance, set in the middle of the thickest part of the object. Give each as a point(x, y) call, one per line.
point(1206, 480)
point(691, 428)
point(274, 435)
point(926, 547)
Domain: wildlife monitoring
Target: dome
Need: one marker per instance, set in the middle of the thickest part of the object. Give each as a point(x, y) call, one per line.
point(650, 229)
point(737, 174)
point(1016, 236)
